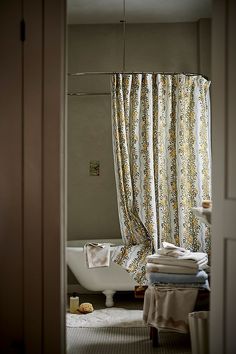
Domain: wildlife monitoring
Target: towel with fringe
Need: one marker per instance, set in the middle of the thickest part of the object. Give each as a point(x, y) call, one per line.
point(168, 308)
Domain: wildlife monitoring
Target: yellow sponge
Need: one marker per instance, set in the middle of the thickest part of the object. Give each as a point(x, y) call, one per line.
point(86, 307)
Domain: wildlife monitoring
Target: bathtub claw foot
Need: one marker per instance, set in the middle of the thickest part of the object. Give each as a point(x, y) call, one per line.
point(109, 297)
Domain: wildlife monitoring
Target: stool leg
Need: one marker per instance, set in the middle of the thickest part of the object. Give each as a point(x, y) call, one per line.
point(155, 337)
point(151, 332)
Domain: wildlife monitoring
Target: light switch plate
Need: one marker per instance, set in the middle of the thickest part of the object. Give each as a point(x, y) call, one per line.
point(94, 168)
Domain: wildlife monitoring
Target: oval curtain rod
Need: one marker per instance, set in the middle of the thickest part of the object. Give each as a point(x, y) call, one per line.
point(124, 67)
point(110, 73)
point(134, 72)
point(88, 93)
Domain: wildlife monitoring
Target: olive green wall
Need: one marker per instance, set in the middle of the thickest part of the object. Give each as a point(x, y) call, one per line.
point(181, 47)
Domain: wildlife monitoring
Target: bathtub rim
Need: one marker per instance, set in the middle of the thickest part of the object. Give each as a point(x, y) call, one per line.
point(79, 243)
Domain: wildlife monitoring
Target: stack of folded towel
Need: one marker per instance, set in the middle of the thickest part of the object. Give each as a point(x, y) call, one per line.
point(177, 266)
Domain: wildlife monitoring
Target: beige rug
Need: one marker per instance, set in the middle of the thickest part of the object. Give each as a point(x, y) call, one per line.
point(110, 317)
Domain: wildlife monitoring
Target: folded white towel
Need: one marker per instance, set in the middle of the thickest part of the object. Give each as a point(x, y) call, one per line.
point(180, 262)
point(172, 252)
point(164, 268)
point(171, 246)
point(192, 256)
point(169, 249)
point(97, 254)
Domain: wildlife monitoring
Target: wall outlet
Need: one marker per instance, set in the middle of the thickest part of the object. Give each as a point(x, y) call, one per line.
point(94, 168)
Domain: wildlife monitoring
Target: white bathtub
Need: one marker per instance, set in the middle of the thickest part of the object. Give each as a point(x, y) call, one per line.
point(105, 279)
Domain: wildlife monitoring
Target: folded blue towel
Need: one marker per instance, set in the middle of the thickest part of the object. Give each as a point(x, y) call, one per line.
point(204, 285)
point(198, 278)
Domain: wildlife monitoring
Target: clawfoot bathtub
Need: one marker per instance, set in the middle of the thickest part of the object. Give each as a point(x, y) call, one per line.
point(108, 280)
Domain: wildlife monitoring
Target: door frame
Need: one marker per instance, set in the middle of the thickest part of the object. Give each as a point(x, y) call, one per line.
point(44, 171)
point(53, 178)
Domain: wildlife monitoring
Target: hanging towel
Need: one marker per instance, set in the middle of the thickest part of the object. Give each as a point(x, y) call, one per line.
point(168, 308)
point(97, 254)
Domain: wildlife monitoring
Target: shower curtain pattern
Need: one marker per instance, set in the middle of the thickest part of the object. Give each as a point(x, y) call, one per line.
point(161, 145)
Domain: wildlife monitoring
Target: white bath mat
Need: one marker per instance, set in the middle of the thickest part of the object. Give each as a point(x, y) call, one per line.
point(110, 317)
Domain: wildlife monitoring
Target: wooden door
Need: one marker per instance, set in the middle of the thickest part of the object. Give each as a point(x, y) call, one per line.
point(31, 177)
point(11, 179)
point(43, 68)
point(223, 297)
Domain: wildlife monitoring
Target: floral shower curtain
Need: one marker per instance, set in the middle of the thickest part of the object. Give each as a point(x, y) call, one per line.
point(161, 146)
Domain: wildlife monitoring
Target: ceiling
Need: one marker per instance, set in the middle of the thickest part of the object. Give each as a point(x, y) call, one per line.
point(137, 11)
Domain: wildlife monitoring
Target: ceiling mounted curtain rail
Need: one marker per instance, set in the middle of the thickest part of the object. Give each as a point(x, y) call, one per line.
point(78, 74)
point(88, 93)
point(134, 72)
point(130, 73)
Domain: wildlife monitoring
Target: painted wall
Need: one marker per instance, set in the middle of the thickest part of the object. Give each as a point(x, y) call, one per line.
point(181, 47)
point(92, 204)
point(204, 49)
